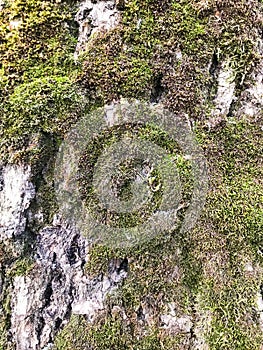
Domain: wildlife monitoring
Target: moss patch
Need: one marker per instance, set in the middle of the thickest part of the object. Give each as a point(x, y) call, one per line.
point(209, 265)
point(160, 50)
point(229, 236)
point(42, 106)
point(135, 58)
point(170, 46)
point(38, 94)
point(112, 334)
point(36, 40)
point(127, 173)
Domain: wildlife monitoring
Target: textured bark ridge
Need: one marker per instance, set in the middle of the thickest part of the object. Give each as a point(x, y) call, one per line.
point(42, 301)
point(59, 286)
point(93, 17)
point(60, 290)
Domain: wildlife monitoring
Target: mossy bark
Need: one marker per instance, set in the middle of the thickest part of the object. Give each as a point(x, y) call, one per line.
point(199, 59)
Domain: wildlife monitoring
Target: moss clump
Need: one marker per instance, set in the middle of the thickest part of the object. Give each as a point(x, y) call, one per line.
point(127, 173)
point(169, 46)
point(36, 40)
point(38, 93)
point(113, 334)
point(210, 262)
point(98, 259)
point(21, 267)
point(134, 60)
point(45, 105)
point(229, 235)
point(235, 200)
point(233, 326)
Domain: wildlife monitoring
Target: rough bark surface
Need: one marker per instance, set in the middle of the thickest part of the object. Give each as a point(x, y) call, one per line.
point(60, 290)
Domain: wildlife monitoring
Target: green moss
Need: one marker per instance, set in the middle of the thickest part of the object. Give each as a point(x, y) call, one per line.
point(168, 46)
point(235, 320)
point(236, 200)
point(38, 94)
point(143, 281)
point(43, 106)
point(210, 260)
point(230, 235)
point(158, 46)
point(98, 260)
point(127, 173)
point(130, 60)
point(27, 45)
point(232, 305)
point(113, 333)
point(21, 267)
point(3, 336)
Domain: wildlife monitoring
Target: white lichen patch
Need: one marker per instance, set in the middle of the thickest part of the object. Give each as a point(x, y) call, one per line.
point(24, 336)
point(16, 193)
point(225, 94)
point(259, 303)
point(252, 98)
point(15, 24)
point(225, 90)
point(94, 17)
point(175, 323)
point(88, 303)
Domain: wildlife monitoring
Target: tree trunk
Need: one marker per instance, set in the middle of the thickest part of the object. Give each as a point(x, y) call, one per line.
point(131, 174)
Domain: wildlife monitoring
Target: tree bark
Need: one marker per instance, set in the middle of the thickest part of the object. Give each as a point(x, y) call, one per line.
point(187, 78)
